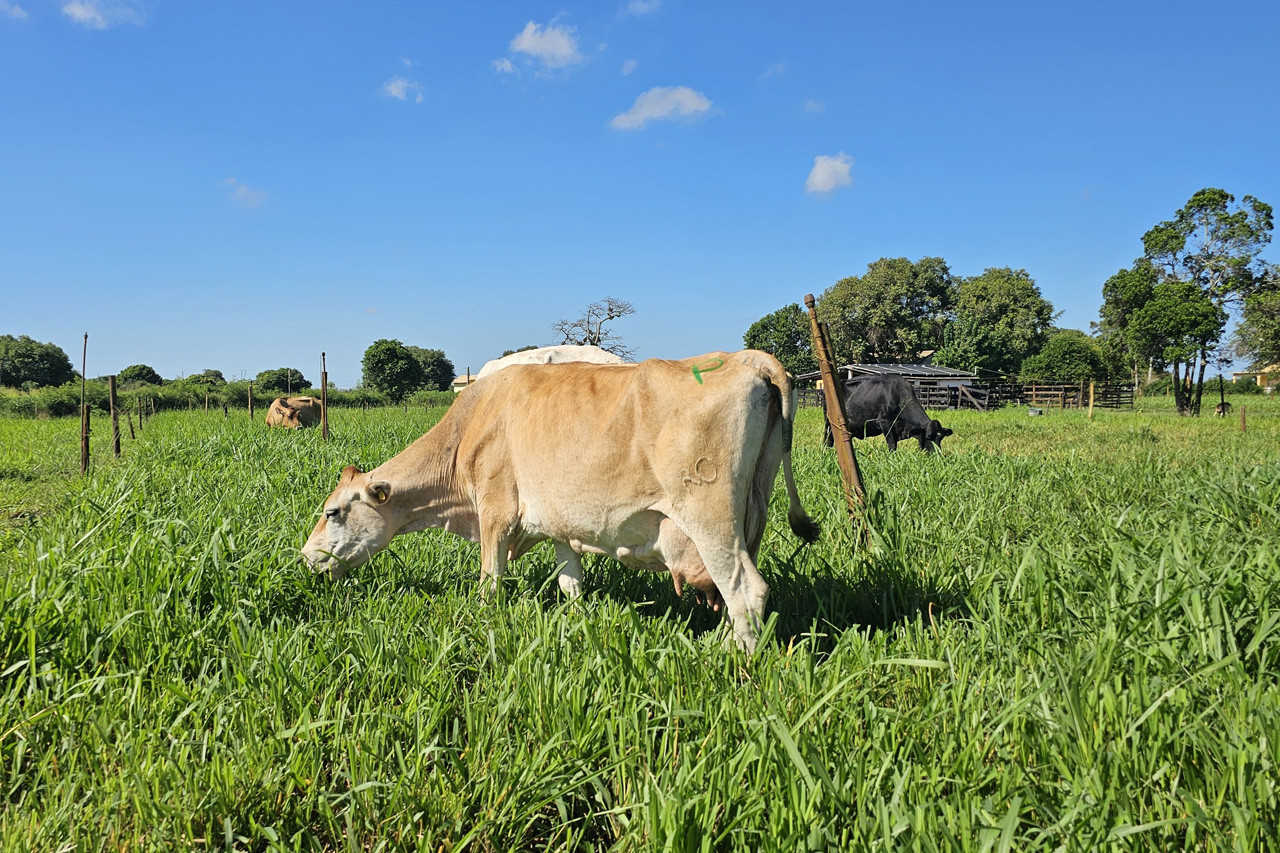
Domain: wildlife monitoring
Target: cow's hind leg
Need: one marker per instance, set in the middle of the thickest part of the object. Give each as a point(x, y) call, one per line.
point(739, 583)
point(570, 576)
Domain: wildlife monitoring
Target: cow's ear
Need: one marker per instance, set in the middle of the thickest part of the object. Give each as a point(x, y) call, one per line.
point(379, 491)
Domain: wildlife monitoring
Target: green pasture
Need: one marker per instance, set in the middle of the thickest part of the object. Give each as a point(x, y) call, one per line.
point(1063, 634)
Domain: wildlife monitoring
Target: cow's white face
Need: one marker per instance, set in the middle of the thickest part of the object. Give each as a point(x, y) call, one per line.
point(355, 526)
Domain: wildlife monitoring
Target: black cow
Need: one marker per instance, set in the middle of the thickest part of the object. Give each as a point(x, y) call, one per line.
point(886, 405)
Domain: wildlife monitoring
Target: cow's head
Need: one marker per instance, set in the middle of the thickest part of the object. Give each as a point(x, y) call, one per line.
point(282, 414)
point(356, 525)
point(937, 432)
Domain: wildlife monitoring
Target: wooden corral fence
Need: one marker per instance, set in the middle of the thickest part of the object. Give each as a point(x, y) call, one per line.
point(993, 395)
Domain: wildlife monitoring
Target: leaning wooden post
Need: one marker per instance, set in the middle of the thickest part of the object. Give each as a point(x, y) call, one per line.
point(324, 400)
point(1090, 399)
point(115, 415)
point(84, 411)
point(854, 494)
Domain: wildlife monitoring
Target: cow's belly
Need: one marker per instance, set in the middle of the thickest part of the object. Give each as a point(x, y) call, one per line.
point(635, 539)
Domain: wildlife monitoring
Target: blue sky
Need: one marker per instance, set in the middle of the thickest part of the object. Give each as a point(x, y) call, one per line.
point(241, 185)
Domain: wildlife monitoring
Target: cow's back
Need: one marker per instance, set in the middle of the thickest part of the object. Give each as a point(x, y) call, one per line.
point(872, 398)
point(559, 354)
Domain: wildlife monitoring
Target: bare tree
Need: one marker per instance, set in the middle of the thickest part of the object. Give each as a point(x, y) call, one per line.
point(590, 328)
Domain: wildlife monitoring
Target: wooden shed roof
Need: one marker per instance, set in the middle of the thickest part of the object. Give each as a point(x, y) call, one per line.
point(911, 371)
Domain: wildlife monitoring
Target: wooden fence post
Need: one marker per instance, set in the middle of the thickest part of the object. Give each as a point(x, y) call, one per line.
point(137, 404)
point(1242, 408)
point(115, 415)
point(324, 400)
point(84, 411)
point(250, 401)
point(854, 493)
point(1091, 399)
point(128, 418)
point(206, 402)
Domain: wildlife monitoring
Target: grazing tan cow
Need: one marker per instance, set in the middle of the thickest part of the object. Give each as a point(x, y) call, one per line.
point(293, 412)
point(664, 465)
point(551, 355)
point(691, 571)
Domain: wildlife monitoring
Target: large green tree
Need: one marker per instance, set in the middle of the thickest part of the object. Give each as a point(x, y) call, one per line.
point(890, 313)
point(437, 370)
point(282, 380)
point(1068, 356)
point(391, 367)
point(1000, 319)
point(1213, 245)
point(25, 361)
point(1182, 323)
point(1122, 296)
point(139, 373)
point(1257, 335)
point(786, 335)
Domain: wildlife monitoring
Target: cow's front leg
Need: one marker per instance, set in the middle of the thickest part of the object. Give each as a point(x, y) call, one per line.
point(495, 547)
point(570, 563)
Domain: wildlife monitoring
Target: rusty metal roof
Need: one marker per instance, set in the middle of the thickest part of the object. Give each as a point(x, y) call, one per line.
point(912, 371)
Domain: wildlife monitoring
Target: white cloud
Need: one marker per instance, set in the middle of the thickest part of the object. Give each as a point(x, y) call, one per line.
point(402, 89)
point(812, 106)
point(643, 7)
point(554, 47)
point(504, 66)
point(13, 10)
point(101, 14)
point(828, 173)
point(243, 194)
point(662, 102)
point(774, 70)
point(629, 66)
point(407, 62)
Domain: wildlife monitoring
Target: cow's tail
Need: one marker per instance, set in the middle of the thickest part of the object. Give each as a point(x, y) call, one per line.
point(776, 375)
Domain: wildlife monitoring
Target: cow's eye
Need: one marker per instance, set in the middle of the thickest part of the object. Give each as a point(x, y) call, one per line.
point(331, 513)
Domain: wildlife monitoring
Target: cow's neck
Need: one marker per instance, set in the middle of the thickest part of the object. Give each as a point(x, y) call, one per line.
point(425, 487)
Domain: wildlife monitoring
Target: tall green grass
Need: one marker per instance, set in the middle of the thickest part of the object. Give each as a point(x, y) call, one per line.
point(1063, 635)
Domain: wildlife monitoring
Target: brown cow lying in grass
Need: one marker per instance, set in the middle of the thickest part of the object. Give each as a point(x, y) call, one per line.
point(293, 412)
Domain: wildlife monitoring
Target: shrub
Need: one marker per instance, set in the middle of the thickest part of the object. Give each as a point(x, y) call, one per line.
point(432, 399)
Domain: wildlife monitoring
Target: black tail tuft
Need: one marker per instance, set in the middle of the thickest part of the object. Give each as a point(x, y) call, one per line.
point(805, 527)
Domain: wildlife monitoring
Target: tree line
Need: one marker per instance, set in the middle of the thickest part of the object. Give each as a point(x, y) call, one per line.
point(1167, 312)
point(391, 372)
